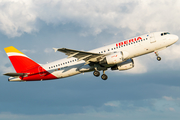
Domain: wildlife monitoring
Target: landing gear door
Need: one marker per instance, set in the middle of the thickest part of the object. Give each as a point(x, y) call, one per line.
point(152, 38)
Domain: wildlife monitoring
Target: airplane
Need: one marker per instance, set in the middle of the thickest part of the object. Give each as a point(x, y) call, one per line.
point(117, 56)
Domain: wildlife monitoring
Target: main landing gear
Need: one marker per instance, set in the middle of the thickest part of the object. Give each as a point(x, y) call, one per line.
point(158, 58)
point(104, 76)
point(97, 73)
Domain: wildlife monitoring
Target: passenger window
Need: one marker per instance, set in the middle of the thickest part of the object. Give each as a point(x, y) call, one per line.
point(146, 39)
point(111, 48)
point(161, 34)
point(119, 46)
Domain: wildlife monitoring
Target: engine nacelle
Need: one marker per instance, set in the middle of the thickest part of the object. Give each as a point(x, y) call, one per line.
point(128, 64)
point(115, 58)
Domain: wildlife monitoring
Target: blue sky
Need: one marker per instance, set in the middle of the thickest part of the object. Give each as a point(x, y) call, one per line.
point(148, 91)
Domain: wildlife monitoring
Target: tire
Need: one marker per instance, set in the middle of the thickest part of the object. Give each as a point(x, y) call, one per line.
point(159, 58)
point(96, 73)
point(104, 76)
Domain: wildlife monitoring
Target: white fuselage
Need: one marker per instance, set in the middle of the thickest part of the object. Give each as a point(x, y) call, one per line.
point(151, 42)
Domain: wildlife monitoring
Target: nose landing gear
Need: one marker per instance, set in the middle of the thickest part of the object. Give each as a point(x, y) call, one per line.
point(158, 58)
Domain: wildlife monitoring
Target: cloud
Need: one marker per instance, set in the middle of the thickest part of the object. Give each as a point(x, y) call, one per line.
point(28, 51)
point(5, 65)
point(17, 17)
point(133, 17)
point(171, 109)
point(48, 50)
point(168, 98)
point(128, 110)
point(113, 104)
point(139, 67)
point(96, 16)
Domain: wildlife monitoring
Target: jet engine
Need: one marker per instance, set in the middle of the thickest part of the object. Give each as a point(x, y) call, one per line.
point(128, 64)
point(115, 58)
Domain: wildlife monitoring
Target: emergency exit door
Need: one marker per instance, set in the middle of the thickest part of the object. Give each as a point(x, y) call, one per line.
point(152, 38)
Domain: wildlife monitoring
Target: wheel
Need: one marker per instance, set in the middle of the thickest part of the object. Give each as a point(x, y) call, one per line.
point(159, 58)
point(96, 73)
point(104, 76)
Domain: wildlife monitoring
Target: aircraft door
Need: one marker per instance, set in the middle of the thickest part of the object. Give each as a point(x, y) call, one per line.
point(152, 38)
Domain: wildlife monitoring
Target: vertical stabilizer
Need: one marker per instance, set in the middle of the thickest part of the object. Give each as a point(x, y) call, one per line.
point(19, 60)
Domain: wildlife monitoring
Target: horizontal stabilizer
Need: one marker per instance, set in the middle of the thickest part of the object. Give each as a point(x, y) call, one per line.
point(16, 74)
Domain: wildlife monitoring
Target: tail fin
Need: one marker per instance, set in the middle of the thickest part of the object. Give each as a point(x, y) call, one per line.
point(20, 61)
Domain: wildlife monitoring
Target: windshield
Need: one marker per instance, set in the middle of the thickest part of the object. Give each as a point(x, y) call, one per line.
point(165, 33)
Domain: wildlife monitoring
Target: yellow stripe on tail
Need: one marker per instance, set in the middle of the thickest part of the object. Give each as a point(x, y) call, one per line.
point(12, 49)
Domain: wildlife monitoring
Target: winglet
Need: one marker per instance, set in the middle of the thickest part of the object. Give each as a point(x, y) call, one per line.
point(55, 49)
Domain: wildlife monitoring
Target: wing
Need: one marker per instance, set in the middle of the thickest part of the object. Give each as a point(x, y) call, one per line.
point(81, 55)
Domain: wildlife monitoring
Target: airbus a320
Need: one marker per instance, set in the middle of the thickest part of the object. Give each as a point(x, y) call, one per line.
point(117, 56)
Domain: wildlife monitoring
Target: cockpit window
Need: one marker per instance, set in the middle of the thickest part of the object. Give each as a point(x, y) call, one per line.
point(165, 33)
